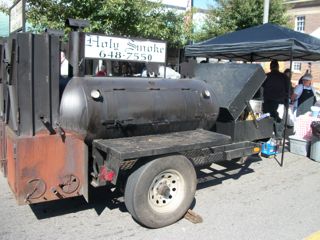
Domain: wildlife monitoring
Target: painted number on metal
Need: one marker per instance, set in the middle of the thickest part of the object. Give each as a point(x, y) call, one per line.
point(126, 49)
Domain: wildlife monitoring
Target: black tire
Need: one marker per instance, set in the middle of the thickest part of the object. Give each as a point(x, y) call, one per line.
point(160, 192)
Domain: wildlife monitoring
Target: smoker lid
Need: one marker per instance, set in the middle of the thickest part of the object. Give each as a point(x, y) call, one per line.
point(233, 84)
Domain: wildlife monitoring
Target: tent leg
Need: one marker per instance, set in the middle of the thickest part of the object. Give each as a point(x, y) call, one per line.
point(286, 114)
point(284, 135)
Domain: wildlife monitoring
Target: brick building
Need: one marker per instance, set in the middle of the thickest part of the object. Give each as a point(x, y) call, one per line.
point(305, 17)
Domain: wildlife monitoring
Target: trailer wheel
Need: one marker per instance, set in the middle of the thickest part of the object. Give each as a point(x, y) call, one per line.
point(160, 192)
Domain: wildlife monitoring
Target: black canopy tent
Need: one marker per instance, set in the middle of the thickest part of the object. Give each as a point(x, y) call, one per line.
point(258, 44)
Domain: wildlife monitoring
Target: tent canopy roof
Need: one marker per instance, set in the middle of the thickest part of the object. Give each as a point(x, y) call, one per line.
point(260, 43)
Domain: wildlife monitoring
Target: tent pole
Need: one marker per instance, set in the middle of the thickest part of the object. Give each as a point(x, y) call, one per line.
point(286, 113)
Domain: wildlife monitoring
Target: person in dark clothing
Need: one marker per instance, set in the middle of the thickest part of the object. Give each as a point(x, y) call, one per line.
point(275, 91)
point(288, 73)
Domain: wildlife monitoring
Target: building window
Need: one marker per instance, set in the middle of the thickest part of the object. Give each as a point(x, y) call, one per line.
point(300, 23)
point(296, 66)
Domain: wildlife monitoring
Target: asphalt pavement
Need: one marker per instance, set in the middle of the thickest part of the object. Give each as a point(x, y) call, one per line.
point(256, 200)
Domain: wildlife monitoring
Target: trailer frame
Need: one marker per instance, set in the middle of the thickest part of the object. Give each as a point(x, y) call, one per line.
point(201, 147)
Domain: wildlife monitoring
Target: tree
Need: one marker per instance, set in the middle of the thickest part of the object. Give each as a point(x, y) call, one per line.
point(139, 18)
point(142, 18)
point(233, 15)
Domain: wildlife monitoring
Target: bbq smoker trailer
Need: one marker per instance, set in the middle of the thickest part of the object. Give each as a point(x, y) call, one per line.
point(145, 134)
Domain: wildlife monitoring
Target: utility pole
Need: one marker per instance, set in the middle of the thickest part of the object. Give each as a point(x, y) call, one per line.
point(190, 8)
point(266, 11)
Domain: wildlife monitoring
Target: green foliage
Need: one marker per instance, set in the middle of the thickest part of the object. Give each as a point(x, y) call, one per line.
point(141, 19)
point(233, 15)
point(4, 6)
point(138, 18)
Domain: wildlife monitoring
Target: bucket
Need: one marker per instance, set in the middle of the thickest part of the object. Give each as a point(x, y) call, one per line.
point(256, 106)
point(315, 111)
point(315, 149)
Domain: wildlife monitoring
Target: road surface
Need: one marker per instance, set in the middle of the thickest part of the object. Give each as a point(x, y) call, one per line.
point(257, 200)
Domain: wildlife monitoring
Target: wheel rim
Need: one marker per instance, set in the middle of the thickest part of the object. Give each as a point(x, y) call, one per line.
point(166, 191)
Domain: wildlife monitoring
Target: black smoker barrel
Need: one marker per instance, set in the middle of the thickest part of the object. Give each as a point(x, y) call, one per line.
point(234, 86)
point(123, 107)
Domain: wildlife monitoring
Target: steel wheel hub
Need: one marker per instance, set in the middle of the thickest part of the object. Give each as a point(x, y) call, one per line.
point(166, 191)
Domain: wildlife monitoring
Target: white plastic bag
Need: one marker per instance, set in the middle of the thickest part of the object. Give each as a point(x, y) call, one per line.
point(291, 117)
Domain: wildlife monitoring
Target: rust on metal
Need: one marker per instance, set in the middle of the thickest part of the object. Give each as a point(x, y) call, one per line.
point(3, 159)
point(35, 189)
point(70, 184)
point(57, 193)
point(44, 167)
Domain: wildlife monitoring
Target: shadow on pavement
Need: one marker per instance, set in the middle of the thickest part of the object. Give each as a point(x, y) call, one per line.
point(219, 172)
point(102, 198)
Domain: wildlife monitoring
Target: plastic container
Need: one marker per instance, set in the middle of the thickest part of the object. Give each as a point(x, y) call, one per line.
point(269, 148)
point(315, 111)
point(265, 115)
point(315, 149)
point(299, 146)
point(256, 106)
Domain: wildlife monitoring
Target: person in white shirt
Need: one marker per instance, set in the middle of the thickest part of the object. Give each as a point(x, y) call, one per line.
point(303, 95)
point(64, 67)
point(64, 73)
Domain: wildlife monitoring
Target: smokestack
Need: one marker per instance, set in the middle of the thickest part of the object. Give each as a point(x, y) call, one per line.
point(266, 11)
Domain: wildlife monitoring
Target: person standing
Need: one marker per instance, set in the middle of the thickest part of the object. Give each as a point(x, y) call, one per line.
point(288, 73)
point(64, 65)
point(65, 73)
point(102, 72)
point(304, 95)
point(275, 92)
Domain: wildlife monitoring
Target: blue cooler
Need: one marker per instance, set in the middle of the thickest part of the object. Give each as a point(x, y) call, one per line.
point(269, 148)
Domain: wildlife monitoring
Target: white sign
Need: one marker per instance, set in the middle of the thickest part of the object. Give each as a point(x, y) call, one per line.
point(16, 17)
point(126, 49)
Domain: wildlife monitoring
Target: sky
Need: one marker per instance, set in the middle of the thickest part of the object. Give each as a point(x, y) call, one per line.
point(4, 25)
point(185, 3)
point(203, 3)
point(196, 3)
point(4, 19)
